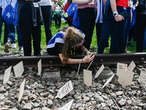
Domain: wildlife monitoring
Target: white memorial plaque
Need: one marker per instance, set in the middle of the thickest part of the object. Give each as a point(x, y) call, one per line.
point(125, 77)
point(142, 78)
point(7, 75)
point(87, 77)
point(99, 71)
point(21, 90)
point(18, 69)
point(39, 67)
point(121, 68)
point(63, 91)
point(67, 106)
point(131, 66)
point(109, 80)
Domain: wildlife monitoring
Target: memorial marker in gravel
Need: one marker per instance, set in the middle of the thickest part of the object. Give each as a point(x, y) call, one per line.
point(39, 67)
point(63, 91)
point(109, 80)
point(7, 75)
point(142, 78)
point(99, 71)
point(18, 69)
point(131, 66)
point(67, 106)
point(125, 75)
point(87, 76)
point(21, 90)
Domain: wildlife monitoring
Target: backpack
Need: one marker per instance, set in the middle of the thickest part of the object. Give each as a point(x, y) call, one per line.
point(10, 14)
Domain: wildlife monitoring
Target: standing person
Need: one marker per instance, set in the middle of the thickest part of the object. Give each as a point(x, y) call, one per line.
point(87, 16)
point(30, 26)
point(106, 27)
point(57, 14)
point(67, 43)
point(120, 25)
point(9, 7)
point(140, 25)
point(1, 21)
point(99, 19)
point(46, 8)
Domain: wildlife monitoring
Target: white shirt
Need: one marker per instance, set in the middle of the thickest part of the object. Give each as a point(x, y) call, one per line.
point(45, 3)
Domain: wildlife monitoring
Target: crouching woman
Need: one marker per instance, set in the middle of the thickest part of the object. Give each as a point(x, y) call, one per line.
point(67, 43)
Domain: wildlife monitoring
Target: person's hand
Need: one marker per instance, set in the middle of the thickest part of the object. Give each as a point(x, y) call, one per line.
point(88, 58)
point(119, 18)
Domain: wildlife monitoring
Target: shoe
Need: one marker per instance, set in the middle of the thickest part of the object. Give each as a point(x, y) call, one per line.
point(20, 48)
point(6, 48)
point(13, 45)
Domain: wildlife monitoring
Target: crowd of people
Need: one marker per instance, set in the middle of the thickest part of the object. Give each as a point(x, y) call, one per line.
point(117, 19)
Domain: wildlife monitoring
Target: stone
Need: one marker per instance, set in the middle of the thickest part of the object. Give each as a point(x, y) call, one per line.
point(35, 104)
point(98, 98)
point(45, 108)
point(2, 96)
point(2, 89)
point(14, 108)
point(86, 99)
point(122, 102)
point(27, 106)
point(49, 102)
point(119, 93)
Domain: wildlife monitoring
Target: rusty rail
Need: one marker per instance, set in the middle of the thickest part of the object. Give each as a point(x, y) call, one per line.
point(105, 59)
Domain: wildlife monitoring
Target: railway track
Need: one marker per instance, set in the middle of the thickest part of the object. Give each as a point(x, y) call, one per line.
point(106, 59)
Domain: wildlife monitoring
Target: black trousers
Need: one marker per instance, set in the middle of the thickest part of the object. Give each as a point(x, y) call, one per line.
point(47, 12)
point(140, 27)
point(87, 18)
point(29, 32)
point(119, 34)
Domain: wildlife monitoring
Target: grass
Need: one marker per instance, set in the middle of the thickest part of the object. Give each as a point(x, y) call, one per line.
point(130, 49)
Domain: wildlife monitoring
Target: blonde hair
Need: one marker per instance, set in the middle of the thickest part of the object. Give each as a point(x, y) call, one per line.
point(72, 37)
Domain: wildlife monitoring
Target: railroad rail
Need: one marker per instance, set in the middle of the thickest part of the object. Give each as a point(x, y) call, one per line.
point(106, 59)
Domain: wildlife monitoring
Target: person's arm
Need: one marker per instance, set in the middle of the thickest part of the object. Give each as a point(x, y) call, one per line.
point(116, 15)
point(86, 59)
point(81, 1)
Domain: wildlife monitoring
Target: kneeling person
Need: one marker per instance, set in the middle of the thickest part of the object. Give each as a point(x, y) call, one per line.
point(68, 42)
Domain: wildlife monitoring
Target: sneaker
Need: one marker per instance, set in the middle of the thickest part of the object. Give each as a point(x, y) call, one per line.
point(6, 48)
point(13, 45)
point(20, 48)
